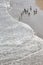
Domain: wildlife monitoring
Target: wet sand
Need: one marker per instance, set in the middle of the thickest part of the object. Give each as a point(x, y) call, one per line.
point(40, 4)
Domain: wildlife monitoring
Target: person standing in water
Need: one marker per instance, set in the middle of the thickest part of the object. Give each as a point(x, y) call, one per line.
point(21, 14)
point(29, 14)
point(30, 8)
point(35, 11)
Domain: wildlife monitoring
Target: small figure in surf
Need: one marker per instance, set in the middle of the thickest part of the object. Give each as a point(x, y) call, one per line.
point(35, 11)
point(30, 8)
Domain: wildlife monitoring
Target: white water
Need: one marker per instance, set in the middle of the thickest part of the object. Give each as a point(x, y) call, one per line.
point(18, 44)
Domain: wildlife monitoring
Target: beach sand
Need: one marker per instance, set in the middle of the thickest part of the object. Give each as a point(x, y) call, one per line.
point(40, 4)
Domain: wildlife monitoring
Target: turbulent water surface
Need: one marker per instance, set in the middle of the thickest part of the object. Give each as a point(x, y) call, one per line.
point(18, 44)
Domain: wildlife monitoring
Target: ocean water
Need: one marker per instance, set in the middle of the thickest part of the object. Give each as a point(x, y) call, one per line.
point(35, 21)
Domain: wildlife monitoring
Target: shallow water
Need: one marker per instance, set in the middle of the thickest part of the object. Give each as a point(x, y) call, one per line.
point(35, 21)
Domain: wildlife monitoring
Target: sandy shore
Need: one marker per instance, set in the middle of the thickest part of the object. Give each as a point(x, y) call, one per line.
point(40, 4)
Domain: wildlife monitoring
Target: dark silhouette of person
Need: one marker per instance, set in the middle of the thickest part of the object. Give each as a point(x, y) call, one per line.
point(35, 11)
point(30, 8)
point(25, 11)
point(29, 14)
